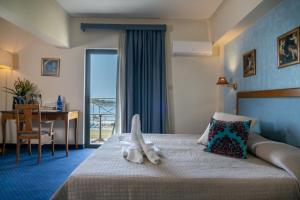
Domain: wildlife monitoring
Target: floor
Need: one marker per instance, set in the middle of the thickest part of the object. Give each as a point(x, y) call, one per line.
point(28, 180)
point(94, 135)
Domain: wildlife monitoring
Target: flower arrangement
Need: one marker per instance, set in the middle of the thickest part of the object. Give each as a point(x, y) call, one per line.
point(23, 91)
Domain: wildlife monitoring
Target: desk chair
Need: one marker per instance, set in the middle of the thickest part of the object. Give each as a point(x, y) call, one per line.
point(26, 115)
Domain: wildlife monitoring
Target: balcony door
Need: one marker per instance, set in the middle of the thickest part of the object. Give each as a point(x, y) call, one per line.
point(100, 95)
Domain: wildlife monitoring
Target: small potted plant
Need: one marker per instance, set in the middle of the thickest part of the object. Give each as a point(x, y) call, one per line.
point(22, 92)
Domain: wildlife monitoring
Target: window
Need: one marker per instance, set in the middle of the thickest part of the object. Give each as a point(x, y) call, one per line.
point(100, 95)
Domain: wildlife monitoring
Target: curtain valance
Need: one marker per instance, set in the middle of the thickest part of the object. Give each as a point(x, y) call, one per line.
point(153, 27)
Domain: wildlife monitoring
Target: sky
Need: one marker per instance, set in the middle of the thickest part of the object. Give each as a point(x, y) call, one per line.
point(103, 75)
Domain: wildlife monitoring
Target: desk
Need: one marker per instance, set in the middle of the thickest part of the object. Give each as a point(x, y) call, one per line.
point(65, 116)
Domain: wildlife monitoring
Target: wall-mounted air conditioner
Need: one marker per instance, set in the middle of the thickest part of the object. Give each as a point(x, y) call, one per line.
point(192, 48)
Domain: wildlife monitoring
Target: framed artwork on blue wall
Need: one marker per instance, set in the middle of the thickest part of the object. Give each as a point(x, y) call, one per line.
point(50, 67)
point(288, 48)
point(249, 63)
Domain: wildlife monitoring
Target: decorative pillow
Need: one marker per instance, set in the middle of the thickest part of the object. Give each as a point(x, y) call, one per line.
point(228, 138)
point(228, 117)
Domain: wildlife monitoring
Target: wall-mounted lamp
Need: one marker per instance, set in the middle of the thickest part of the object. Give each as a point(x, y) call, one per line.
point(6, 60)
point(223, 81)
point(6, 63)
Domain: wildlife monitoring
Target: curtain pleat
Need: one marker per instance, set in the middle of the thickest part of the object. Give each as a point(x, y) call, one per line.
point(120, 101)
point(145, 80)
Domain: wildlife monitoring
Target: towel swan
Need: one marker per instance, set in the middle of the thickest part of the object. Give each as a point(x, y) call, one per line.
point(136, 148)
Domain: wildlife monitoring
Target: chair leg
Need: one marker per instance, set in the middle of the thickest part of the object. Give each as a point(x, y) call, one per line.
point(39, 151)
point(29, 147)
point(18, 151)
point(52, 142)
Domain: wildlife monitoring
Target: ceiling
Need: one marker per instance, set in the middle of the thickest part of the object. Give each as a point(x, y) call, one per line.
point(163, 9)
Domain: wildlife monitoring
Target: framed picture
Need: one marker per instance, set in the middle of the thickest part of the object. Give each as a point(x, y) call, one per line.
point(249, 63)
point(288, 48)
point(50, 67)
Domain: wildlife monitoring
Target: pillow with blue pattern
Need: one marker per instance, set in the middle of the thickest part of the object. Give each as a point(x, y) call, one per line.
point(228, 138)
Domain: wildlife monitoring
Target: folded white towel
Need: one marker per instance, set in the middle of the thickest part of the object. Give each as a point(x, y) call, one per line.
point(133, 154)
point(134, 149)
point(151, 154)
point(125, 142)
point(135, 131)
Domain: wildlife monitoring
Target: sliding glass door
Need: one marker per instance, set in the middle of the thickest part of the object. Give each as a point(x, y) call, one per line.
point(100, 95)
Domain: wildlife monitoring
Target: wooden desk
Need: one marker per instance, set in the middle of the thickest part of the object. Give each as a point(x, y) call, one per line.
point(65, 116)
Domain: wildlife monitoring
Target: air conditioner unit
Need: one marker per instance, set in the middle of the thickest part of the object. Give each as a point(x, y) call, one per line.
point(192, 48)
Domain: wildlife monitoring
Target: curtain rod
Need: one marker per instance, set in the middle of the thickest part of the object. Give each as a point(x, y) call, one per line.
point(154, 27)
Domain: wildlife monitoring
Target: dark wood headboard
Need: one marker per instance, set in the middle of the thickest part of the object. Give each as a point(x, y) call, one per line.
point(279, 93)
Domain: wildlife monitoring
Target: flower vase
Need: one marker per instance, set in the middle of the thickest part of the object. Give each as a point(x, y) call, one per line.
point(18, 100)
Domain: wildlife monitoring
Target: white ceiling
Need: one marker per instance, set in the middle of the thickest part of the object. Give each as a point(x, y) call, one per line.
point(167, 9)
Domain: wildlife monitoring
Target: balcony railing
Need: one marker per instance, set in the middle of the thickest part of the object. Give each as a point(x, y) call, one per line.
point(102, 119)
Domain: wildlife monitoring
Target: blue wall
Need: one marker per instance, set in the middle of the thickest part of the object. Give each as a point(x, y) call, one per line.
point(280, 118)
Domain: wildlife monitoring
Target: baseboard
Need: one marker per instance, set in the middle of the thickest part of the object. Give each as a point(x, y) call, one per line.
point(57, 146)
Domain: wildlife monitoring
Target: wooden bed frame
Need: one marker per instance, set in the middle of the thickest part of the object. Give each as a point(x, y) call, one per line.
point(278, 93)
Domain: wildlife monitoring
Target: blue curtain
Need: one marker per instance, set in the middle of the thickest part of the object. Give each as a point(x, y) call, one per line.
point(145, 80)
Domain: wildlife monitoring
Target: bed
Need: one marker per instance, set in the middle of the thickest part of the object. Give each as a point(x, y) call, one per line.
point(189, 172)
point(186, 172)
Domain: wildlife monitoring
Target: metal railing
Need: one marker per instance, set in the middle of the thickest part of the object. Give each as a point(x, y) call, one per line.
point(102, 118)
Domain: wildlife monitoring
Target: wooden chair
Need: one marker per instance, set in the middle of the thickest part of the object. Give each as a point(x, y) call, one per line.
point(26, 115)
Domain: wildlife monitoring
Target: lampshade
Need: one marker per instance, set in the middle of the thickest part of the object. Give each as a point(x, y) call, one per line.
point(6, 60)
point(222, 81)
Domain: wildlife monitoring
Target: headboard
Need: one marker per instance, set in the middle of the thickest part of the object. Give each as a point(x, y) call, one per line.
point(279, 93)
point(288, 115)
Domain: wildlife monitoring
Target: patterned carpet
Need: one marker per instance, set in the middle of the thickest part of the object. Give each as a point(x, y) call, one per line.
point(31, 181)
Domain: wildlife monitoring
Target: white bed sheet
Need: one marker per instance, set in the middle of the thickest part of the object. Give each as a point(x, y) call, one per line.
point(186, 172)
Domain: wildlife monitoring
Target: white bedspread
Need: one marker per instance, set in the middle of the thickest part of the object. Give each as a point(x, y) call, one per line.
point(185, 172)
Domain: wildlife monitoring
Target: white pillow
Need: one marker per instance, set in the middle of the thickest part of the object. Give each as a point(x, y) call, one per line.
point(225, 117)
point(279, 154)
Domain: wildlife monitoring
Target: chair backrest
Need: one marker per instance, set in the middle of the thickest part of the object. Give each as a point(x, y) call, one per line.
point(26, 114)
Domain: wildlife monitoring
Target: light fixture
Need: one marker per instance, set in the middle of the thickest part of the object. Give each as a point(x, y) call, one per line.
point(6, 63)
point(6, 60)
point(223, 81)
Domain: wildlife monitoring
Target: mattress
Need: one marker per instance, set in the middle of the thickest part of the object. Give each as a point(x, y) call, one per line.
point(186, 172)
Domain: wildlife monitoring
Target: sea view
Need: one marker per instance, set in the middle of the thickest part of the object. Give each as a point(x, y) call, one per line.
point(103, 96)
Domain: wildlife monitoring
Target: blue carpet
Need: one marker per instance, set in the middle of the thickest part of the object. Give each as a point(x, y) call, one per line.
point(31, 181)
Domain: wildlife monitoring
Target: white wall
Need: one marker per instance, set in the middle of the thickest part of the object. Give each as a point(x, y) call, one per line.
point(195, 92)
point(43, 18)
point(70, 84)
point(191, 80)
